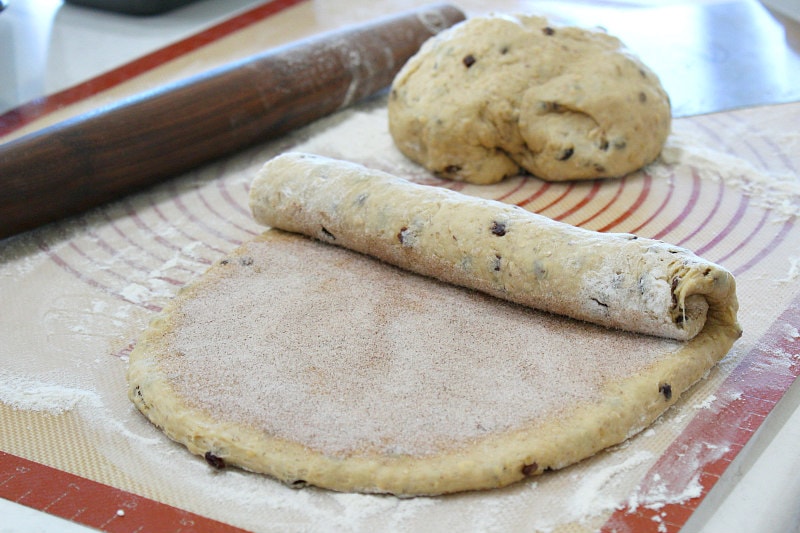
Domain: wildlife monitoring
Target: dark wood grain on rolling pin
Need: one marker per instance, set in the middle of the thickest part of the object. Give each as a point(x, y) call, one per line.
point(84, 162)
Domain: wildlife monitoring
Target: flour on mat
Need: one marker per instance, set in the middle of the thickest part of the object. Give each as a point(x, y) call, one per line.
point(658, 494)
point(793, 273)
point(31, 395)
point(777, 192)
point(595, 493)
point(683, 484)
point(370, 144)
point(706, 403)
point(790, 332)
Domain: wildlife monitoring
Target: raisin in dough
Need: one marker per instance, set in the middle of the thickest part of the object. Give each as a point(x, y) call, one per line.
point(318, 365)
point(611, 279)
point(495, 95)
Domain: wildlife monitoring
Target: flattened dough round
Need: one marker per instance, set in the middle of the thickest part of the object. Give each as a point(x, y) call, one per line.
point(497, 94)
point(315, 364)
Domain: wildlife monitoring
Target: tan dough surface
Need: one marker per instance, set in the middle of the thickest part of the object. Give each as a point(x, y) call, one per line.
point(615, 280)
point(500, 93)
point(316, 364)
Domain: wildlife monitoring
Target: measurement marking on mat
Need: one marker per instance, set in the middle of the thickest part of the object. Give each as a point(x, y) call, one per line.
point(53, 502)
point(113, 517)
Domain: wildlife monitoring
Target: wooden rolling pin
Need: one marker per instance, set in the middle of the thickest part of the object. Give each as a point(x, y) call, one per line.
point(83, 162)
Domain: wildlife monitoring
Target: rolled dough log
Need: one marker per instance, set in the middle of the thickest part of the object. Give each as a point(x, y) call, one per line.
point(615, 280)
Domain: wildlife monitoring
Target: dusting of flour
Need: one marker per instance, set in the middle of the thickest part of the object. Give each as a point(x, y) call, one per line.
point(774, 191)
point(33, 395)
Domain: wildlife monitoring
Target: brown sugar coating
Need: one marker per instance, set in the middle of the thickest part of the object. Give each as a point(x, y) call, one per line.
point(346, 354)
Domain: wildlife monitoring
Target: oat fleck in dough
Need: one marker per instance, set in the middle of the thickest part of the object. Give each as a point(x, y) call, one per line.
point(497, 95)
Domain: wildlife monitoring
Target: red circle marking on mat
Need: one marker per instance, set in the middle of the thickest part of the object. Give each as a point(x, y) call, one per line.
point(64, 265)
point(539, 192)
point(606, 206)
point(744, 201)
point(521, 183)
point(199, 222)
point(661, 207)
point(690, 205)
point(766, 250)
point(567, 189)
point(207, 198)
point(647, 182)
point(124, 236)
point(709, 217)
point(133, 215)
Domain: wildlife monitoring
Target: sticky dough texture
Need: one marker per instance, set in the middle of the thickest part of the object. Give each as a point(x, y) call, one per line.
point(614, 280)
point(495, 95)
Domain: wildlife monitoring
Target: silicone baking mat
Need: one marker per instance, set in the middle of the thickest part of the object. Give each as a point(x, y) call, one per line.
point(76, 295)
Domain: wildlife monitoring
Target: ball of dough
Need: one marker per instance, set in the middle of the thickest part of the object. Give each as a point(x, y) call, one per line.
point(499, 94)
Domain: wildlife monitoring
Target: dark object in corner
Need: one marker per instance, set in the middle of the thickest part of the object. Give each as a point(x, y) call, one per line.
point(133, 7)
